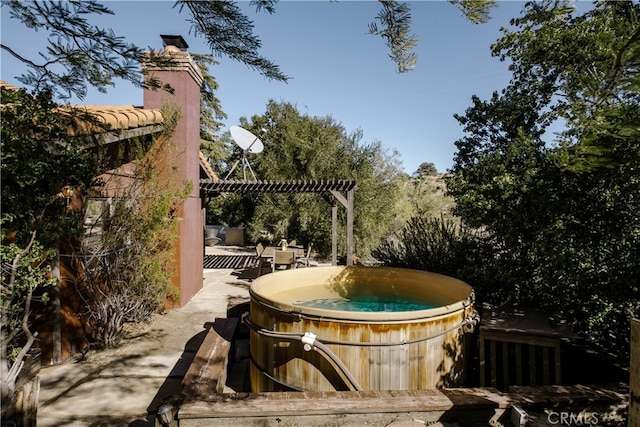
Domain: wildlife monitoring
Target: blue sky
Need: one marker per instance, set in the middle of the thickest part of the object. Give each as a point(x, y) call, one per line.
point(336, 68)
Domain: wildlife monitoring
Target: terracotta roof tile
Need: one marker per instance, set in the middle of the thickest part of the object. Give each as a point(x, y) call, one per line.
point(206, 166)
point(6, 86)
point(103, 118)
point(114, 117)
point(92, 119)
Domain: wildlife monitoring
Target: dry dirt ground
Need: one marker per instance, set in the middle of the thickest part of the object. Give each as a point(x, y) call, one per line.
point(124, 386)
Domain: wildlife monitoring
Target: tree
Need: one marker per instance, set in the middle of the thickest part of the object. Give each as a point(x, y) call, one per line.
point(425, 169)
point(442, 245)
point(563, 218)
point(582, 70)
point(25, 279)
point(395, 27)
point(215, 148)
point(299, 147)
point(80, 54)
point(39, 158)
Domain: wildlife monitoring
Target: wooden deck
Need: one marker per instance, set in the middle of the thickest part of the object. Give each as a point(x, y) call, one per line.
point(205, 405)
point(469, 406)
point(359, 408)
point(229, 261)
point(513, 342)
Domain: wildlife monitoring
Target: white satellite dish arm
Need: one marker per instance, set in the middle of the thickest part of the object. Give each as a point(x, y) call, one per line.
point(241, 136)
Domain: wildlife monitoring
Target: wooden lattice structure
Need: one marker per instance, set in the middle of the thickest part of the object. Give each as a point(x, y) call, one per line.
point(334, 191)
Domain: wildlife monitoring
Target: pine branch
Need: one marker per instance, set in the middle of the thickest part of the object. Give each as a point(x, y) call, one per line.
point(229, 32)
point(395, 20)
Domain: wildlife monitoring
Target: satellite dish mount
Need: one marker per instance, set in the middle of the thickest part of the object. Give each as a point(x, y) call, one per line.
point(249, 143)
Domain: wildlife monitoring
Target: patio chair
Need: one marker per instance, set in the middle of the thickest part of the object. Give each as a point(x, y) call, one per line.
point(304, 262)
point(283, 260)
point(264, 264)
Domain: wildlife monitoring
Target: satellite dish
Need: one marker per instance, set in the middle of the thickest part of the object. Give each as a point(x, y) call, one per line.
point(246, 140)
point(249, 143)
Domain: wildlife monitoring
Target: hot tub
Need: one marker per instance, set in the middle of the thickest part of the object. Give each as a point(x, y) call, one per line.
point(303, 338)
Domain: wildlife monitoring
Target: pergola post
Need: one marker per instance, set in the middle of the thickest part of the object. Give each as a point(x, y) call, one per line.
point(350, 227)
point(334, 233)
point(347, 202)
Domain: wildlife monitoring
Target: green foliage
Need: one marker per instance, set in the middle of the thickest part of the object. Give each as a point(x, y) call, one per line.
point(25, 275)
point(424, 196)
point(443, 245)
point(299, 147)
point(211, 112)
point(229, 31)
point(439, 245)
point(563, 219)
point(476, 11)
point(79, 54)
point(25, 270)
point(38, 159)
point(395, 20)
point(426, 169)
point(394, 27)
point(216, 149)
point(581, 69)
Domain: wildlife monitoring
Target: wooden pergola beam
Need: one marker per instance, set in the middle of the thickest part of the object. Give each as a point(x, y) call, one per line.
point(334, 187)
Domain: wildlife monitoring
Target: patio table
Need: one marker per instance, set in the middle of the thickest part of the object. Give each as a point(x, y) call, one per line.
point(299, 251)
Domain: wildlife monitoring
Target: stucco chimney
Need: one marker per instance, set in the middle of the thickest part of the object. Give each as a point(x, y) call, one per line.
point(184, 77)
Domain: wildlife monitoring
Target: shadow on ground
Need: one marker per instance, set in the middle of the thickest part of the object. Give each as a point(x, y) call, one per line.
point(171, 388)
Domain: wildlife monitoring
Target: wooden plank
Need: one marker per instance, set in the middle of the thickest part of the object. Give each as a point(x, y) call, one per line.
point(525, 326)
point(314, 403)
point(521, 338)
point(576, 395)
point(505, 365)
point(492, 357)
point(557, 361)
point(515, 320)
point(545, 366)
point(23, 408)
point(334, 234)
point(518, 363)
point(350, 253)
point(56, 317)
point(634, 375)
point(282, 404)
point(483, 381)
point(207, 373)
point(532, 365)
point(262, 186)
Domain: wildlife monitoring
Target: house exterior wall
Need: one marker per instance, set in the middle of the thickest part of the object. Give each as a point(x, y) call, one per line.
point(61, 335)
point(185, 79)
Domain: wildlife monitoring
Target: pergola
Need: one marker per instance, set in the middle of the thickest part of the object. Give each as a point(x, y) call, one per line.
point(334, 192)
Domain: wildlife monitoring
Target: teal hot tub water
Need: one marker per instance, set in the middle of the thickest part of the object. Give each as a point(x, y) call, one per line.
point(370, 304)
